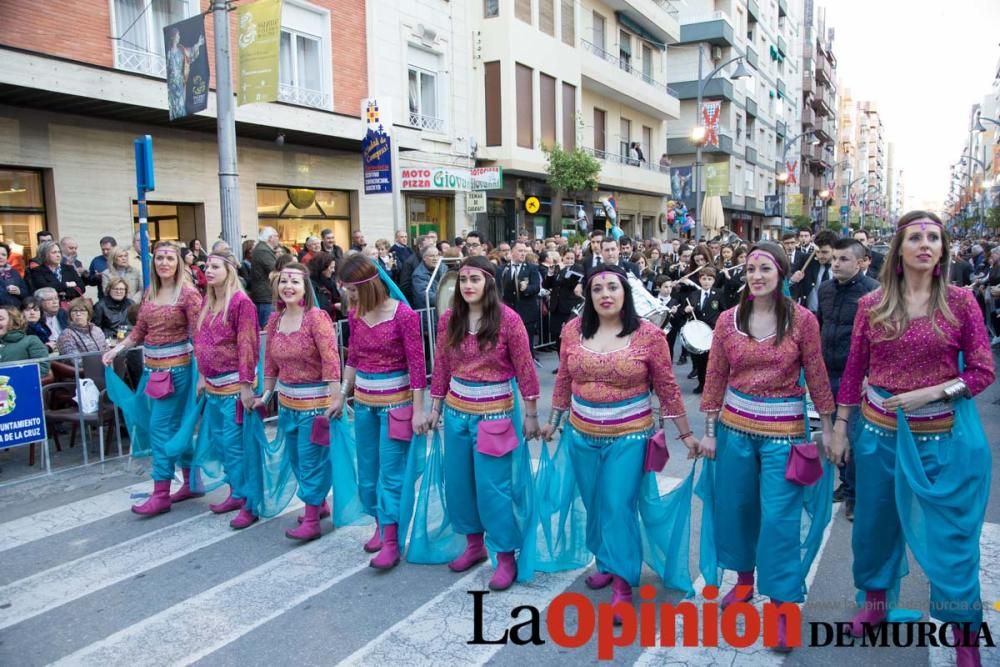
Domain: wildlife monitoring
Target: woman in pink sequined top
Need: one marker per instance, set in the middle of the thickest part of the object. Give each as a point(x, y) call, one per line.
point(385, 367)
point(481, 346)
point(752, 390)
point(302, 366)
point(227, 346)
point(609, 361)
point(923, 346)
point(167, 318)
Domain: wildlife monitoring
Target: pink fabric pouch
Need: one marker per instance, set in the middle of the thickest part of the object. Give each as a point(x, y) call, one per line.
point(319, 434)
point(657, 454)
point(401, 423)
point(496, 437)
point(804, 467)
point(160, 384)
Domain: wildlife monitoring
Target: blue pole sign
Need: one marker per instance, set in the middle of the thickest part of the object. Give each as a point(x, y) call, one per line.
point(22, 418)
point(145, 181)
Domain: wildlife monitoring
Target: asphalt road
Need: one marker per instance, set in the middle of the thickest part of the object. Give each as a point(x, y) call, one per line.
point(86, 582)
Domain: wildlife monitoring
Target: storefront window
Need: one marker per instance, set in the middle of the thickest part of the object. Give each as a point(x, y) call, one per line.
point(429, 214)
point(22, 208)
point(300, 212)
point(172, 221)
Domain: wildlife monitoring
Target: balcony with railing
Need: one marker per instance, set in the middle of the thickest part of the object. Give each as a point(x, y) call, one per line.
point(751, 155)
point(782, 46)
point(716, 29)
point(303, 97)
point(429, 123)
point(140, 60)
point(752, 57)
point(613, 77)
point(620, 171)
point(808, 84)
point(751, 107)
point(615, 158)
point(779, 128)
point(808, 116)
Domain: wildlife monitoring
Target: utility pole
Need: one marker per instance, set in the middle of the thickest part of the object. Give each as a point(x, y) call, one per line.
point(229, 180)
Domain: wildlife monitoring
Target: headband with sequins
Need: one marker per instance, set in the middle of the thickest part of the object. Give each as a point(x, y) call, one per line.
point(292, 272)
point(769, 256)
point(362, 281)
point(486, 273)
point(228, 259)
point(923, 222)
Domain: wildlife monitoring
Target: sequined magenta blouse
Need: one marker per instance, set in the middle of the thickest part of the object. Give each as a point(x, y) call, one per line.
point(305, 356)
point(643, 364)
point(761, 368)
point(391, 345)
point(920, 357)
point(164, 325)
point(510, 357)
point(230, 342)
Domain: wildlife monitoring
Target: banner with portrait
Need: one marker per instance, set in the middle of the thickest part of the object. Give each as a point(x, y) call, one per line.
point(682, 185)
point(187, 67)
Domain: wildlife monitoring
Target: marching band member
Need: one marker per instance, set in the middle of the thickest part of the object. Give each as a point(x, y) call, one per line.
point(751, 387)
point(609, 362)
point(385, 366)
point(168, 315)
point(924, 481)
point(704, 305)
point(227, 346)
point(302, 364)
point(481, 346)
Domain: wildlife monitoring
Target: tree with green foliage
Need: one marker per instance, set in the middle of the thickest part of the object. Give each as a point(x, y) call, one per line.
point(572, 174)
point(993, 218)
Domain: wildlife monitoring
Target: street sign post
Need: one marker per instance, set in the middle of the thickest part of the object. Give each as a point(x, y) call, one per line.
point(145, 181)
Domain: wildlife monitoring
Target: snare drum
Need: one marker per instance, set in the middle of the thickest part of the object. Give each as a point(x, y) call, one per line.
point(696, 337)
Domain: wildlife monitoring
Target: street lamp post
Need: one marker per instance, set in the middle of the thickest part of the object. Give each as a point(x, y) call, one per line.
point(698, 133)
point(850, 186)
point(783, 177)
point(982, 165)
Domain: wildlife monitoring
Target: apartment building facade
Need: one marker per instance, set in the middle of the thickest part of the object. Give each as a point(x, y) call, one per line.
point(818, 161)
point(588, 74)
point(83, 78)
point(871, 161)
point(758, 115)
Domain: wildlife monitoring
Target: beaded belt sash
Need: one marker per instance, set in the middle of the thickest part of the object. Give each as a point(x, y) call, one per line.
point(937, 417)
point(771, 417)
point(611, 419)
point(307, 396)
point(480, 397)
point(383, 389)
point(226, 384)
point(172, 355)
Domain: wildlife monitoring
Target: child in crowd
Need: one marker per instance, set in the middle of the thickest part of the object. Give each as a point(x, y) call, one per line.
point(704, 304)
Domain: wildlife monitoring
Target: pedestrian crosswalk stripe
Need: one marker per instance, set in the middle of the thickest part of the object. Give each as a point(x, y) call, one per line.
point(64, 583)
point(989, 581)
point(59, 519)
point(209, 621)
point(757, 654)
point(437, 632)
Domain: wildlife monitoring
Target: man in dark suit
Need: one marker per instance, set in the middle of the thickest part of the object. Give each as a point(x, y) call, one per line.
point(592, 255)
point(611, 254)
point(520, 284)
point(562, 294)
point(802, 251)
point(875, 259)
point(805, 281)
point(706, 305)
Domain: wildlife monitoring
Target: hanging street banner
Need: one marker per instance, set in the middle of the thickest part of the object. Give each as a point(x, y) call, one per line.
point(429, 177)
point(259, 45)
point(682, 185)
point(710, 112)
point(717, 179)
point(187, 67)
point(996, 159)
point(22, 419)
point(376, 146)
point(771, 206)
point(793, 206)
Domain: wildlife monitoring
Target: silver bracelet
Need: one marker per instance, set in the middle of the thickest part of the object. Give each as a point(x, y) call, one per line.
point(710, 426)
point(956, 389)
point(265, 397)
point(556, 417)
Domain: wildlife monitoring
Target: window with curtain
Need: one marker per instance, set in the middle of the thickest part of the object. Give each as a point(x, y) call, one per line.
point(625, 137)
point(568, 22)
point(568, 116)
point(522, 10)
point(600, 131)
point(525, 107)
point(647, 62)
point(300, 75)
point(423, 99)
point(598, 37)
point(494, 125)
point(547, 17)
point(547, 92)
point(139, 25)
point(647, 142)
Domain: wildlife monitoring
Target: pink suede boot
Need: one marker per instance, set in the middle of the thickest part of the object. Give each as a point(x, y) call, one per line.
point(388, 557)
point(966, 650)
point(309, 528)
point(230, 504)
point(185, 491)
point(158, 503)
point(474, 554)
point(506, 572)
point(742, 591)
point(873, 614)
point(598, 580)
point(244, 519)
point(324, 512)
point(375, 543)
point(621, 591)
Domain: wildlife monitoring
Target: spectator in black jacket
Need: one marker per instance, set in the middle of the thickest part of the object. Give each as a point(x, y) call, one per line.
point(63, 278)
point(562, 293)
point(876, 259)
point(322, 273)
point(838, 304)
point(111, 312)
point(400, 248)
point(806, 279)
point(410, 265)
point(12, 287)
point(262, 262)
